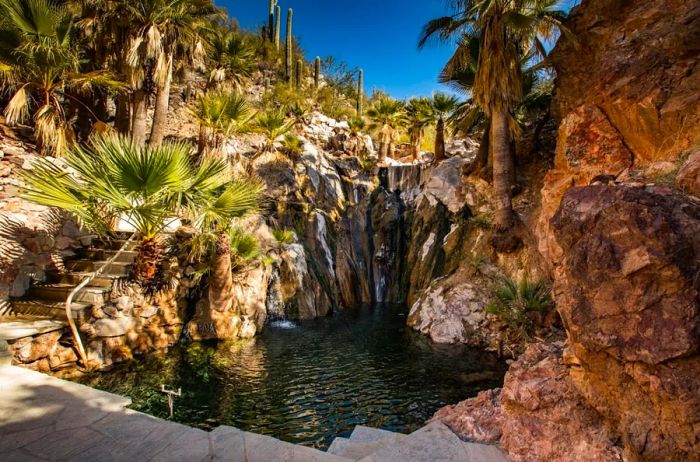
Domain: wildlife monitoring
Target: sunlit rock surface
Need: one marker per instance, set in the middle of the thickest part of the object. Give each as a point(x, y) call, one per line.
point(627, 289)
point(538, 415)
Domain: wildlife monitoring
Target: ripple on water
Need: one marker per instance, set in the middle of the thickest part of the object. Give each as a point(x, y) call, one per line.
point(309, 382)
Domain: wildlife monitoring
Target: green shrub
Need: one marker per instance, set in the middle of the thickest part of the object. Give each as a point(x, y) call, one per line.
point(479, 262)
point(283, 236)
point(514, 301)
point(293, 146)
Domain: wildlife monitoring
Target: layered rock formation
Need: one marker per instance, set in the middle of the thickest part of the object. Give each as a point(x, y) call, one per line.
point(628, 292)
point(537, 416)
point(637, 61)
point(618, 228)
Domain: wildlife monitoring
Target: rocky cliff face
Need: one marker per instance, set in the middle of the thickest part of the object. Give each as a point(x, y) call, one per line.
point(618, 230)
point(628, 291)
point(637, 61)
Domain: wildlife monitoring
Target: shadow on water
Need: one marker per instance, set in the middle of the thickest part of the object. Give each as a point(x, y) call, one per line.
point(312, 381)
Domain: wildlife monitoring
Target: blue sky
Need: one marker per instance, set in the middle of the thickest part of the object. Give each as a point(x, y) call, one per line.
point(379, 36)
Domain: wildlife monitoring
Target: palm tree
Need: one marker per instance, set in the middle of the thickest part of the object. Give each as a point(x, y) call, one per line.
point(42, 69)
point(443, 105)
point(507, 29)
point(460, 73)
point(112, 180)
point(117, 182)
point(162, 31)
point(387, 116)
point(221, 114)
point(419, 113)
point(273, 124)
point(231, 56)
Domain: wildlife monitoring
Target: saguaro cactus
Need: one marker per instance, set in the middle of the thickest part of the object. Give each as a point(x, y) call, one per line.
point(271, 21)
point(299, 73)
point(317, 72)
point(278, 18)
point(360, 92)
point(290, 49)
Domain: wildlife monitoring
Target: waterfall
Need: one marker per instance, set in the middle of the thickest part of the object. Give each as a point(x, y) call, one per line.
point(274, 302)
point(322, 236)
point(406, 179)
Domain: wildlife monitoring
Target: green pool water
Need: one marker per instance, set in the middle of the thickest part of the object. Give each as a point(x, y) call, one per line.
point(309, 382)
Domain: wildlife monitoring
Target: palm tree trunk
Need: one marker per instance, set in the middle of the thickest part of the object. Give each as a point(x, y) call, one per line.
point(415, 142)
point(122, 118)
point(220, 292)
point(439, 141)
point(483, 155)
point(383, 150)
point(202, 141)
point(502, 168)
point(160, 113)
point(138, 117)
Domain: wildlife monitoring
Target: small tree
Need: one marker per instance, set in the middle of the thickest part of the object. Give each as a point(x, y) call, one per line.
point(443, 105)
point(388, 116)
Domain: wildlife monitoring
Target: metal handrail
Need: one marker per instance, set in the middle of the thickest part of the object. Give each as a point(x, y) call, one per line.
point(81, 286)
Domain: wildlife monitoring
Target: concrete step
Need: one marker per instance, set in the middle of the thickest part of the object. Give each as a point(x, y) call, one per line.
point(115, 268)
point(363, 441)
point(338, 445)
point(103, 280)
point(60, 292)
point(432, 443)
point(363, 434)
point(127, 256)
point(37, 309)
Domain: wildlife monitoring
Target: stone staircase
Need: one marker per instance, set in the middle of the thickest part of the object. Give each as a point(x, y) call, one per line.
point(44, 303)
point(432, 443)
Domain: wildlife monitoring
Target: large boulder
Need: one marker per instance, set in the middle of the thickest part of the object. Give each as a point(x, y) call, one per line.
point(627, 289)
point(588, 148)
point(538, 415)
point(247, 313)
point(451, 310)
point(637, 60)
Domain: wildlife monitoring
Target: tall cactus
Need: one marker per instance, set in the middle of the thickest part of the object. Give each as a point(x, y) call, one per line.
point(288, 55)
point(299, 76)
point(360, 92)
point(278, 18)
point(317, 72)
point(271, 21)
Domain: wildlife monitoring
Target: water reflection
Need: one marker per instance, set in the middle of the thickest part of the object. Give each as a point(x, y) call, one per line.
point(309, 382)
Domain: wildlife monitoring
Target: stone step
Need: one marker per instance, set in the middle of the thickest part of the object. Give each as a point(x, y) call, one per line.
point(432, 443)
point(126, 256)
point(115, 268)
point(60, 292)
point(20, 328)
point(363, 441)
point(338, 445)
point(363, 434)
point(103, 280)
point(113, 244)
point(32, 308)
